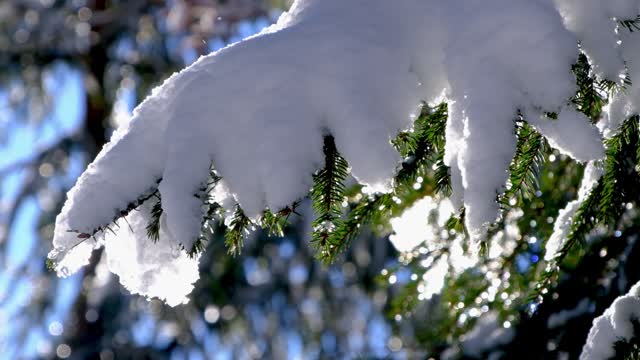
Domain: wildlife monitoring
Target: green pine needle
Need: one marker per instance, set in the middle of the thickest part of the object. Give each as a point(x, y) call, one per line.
point(153, 227)
point(531, 148)
point(328, 194)
point(619, 185)
point(423, 146)
point(442, 176)
point(589, 98)
point(236, 232)
point(275, 223)
point(345, 231)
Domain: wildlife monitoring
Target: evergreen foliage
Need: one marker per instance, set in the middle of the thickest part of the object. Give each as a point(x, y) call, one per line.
point(153, 228)
point(607, 201)
point(236, 231)
point(524, 169)
point(122, 214)
point(421, 147)
point(328, 195)
point(275, 223)
point(589, 98)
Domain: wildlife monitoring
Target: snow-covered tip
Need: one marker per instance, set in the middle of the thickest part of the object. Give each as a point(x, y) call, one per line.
point(159, 269)
point(613, 326)
point(562, 226)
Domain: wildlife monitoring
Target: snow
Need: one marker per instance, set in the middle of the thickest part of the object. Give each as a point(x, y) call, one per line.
point(589, 20)
point(491, 46)
point(561, 134)
point(562, 226)
point(159, 269)
point(625, 103)
point(614, 325)
point(257, 110)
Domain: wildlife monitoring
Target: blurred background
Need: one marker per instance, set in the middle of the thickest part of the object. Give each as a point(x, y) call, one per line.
point(71, 71)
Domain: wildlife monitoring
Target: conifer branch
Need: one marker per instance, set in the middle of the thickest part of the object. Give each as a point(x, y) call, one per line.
point(442, 176)
point(121, 214)
point(153, 228)
point(456, 222)
point(275, 223)
point(589, 98)
point(327, 194)
point(531, 148)
point(346, 230)
point(619, 185)
point(236, 231)
point(211, 214)
point(620, 179)
point(420, 146)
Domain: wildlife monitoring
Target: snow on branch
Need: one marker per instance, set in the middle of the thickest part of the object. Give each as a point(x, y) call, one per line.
point(614, 328)
point(359, 71)
point(607, 187)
